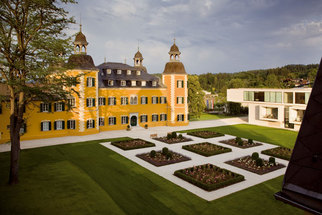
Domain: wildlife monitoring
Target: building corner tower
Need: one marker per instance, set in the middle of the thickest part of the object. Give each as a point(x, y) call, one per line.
point(175, 78)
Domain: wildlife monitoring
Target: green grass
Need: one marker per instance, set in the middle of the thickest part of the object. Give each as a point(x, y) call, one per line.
point(274, 136)
point(210, 116)
point(87, 178)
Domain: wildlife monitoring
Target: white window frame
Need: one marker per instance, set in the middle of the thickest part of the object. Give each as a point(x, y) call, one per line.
point(101, 101)
point(133, 83)
point(143, 83)
point(108, 71)
point(128, 72)
point(90, 123)
point(145, 118)
point(134, 100)
point(90, 102)
point(101, 121)
point(45, 107)
point(111, 100)
point(144, 100)
point(110, 83)
point(162, 117)
point(154, 99)
point(154, 83)
point(73, 124)
point(163, 100)
point(45, 125)
point(179, 83)
point(72, 102)
point(155, 116)
point(123, 83)
point(180, 100)
point(124, 120)
point(59, 124)
point(59, 106)
point(111, 120)
point(138, 72)
point(123, 100)
point(119, 72)
point(180, 118)
point(90, 82)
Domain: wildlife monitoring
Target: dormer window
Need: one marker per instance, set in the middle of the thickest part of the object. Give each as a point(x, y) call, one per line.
point(138, 72)
point(110, 83)
point(119, 72)
point(154, 83)
point(143, 83)
point(123, 83)
point(133, 83)
point(128, 72)
point(109, 71)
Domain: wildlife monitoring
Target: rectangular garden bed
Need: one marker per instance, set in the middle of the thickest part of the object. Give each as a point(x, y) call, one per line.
point(249, 164)
point(206, 149)
point(132, 144)
point(159, 158)
point(209, 177)
point(205, 134)
point(244, 144)
point(173, 139)
point(279, 152)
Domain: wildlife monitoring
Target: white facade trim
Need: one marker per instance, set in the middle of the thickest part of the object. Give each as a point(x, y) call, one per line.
point(82, 103)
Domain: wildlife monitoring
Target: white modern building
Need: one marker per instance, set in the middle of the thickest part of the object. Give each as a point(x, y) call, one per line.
point(281, 108)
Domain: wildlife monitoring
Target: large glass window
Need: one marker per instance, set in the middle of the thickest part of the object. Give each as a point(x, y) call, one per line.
point(299, 98)
point(274, 97)
point(271, 113)
point(288, 97)
point(248, 96)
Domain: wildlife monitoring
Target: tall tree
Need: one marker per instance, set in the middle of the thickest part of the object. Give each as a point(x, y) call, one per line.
point(32, 42)
point(195, 96)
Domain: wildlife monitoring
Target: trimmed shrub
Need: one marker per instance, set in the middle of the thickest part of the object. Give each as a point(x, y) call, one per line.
point(250, 141)
point(259, 162)
point(146, 126)
point(165, 151)
point(174, 134)
point(180, 136)
point(169, 136)
point(237, 139)
point(271, 160)
point(153, 154)
point(240, 142)
point(255, 156)
point(169, 155)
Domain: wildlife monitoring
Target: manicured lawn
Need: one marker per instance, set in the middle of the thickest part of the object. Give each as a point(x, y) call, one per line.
point(275, 136)
point(210, 116)
point(87, 178)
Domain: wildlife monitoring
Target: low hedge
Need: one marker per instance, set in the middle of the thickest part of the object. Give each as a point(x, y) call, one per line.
point(270, 153)
point(207, 154)
point(210, 187)
point(195, 133)
point(119, 144)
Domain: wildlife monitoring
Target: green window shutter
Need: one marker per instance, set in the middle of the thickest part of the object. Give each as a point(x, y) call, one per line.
point(93, 123)
point(55, 106)
point(94, 105)
point(0, 108)
point(182, 83)
point(63, 125)
point(127, 120)
point(177, 100)
point(182, 100)
point(68, 124)
point(165, 99)
point(127, 100)
point(41, 107)
point(41, 126)
point(87, 82)
point(55, 127)
point(63, 106)
point(93, 82)
point(87, 123)
point(166, 117)
point(25, 127)
point(146, 100)
point(49, 107)
point(114, 100)
point(49, 126)
point(86, 102)
point(182, 117)
point(177, 84)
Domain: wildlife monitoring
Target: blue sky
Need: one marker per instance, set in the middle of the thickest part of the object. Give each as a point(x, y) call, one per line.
point(213, 35)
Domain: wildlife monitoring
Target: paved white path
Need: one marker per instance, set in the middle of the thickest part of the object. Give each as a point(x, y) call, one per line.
point(167, 171)
point(137, 131)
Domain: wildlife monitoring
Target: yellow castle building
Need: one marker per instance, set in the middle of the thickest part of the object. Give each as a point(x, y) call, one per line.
point(112, 96)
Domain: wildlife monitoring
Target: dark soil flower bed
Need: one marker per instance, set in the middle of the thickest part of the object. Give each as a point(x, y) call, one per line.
point(247, 163)
point(206, 149)
point(279, 152)
point(205, 134)
point(132, 144)
point(244, 145)
point(162, 160)
point(172, 140)
point(209, 177)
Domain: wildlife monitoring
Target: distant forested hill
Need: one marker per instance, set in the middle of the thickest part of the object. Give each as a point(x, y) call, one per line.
point(272, 78)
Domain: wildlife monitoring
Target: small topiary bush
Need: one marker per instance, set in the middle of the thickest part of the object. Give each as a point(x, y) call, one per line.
point(255, 156)
point(271, 160)
point(174, 134)
point(250, 141)
point(259, 162)
point(240, 142)
point(169, 136)
point(237, 139)
point(169, 155)
point(153, 154)
point(165, 151)
point(180, 136)
point(146, 126)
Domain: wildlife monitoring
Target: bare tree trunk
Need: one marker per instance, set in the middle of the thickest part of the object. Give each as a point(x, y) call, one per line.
point(15, 150)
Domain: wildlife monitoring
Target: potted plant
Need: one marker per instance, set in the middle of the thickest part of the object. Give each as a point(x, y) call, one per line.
point(146, 126)
point(128, 128)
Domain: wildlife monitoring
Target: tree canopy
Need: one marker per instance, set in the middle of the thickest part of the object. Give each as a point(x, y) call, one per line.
point(195, 97)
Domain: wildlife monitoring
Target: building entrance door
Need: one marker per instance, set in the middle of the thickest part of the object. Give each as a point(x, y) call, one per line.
point(134, 120)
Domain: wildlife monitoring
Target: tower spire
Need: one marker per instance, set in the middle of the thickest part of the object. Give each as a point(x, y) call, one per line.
point(80, 23)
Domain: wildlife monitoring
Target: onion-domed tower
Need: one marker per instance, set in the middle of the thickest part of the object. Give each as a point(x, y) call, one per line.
point(175, 78)
point(138, 61)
